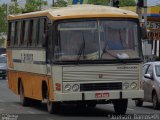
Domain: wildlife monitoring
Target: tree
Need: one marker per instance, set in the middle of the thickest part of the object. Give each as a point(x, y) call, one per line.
point(127, 3)
point(60, 3)
point(106, 2)
point(14, 7)
point(3, 20)
point(3, 23)
point(98, 2)
point(34, 5)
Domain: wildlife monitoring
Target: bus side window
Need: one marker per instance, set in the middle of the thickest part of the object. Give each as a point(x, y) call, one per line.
point(9, 34)
point(12, 37)
point(22, 33)
point(35, 32)
point(26, 33)
point(42, 32)
point(30, 41)
point(17, 36)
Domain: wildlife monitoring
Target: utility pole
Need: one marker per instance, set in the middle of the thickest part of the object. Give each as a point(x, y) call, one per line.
point(145, 13)
point(142, 16)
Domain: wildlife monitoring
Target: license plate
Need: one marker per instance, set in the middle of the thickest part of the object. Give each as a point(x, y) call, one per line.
point(101, 95)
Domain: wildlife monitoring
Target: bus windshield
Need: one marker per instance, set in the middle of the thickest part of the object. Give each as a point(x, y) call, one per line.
point(97, 40)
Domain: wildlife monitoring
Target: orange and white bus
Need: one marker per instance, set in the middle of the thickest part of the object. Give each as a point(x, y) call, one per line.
point(82, 54)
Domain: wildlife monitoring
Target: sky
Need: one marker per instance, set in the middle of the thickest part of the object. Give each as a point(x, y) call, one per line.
point(149, 2)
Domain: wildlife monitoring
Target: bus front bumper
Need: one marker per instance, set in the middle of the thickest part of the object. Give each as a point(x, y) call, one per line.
point(99, 95)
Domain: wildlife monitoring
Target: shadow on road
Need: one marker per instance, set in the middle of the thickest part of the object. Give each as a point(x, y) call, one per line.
point(73, 110)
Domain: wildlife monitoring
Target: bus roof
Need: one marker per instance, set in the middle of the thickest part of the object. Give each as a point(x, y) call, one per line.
point(78, 11)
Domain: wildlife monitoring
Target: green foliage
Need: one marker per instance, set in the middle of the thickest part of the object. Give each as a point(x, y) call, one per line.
point(98, 2)
point(3, 20)
point(34, 5)
point(106, 2)
point(60, 3)
point(14, 8)
point(127, 3)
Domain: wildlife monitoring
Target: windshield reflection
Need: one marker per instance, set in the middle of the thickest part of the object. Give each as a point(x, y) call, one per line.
point(94, 40)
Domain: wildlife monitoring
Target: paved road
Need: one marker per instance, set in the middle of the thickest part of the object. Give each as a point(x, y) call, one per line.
point(10, 107)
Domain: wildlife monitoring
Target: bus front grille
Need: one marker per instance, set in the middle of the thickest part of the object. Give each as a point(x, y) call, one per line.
point(100, 86)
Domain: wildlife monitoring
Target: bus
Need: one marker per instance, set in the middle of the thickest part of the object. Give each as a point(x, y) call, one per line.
point(80, 54)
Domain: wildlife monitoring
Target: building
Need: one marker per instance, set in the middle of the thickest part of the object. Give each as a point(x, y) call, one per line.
point(151, 46)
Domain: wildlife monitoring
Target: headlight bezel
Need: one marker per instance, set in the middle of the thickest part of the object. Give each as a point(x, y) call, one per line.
point(67, 88)
point(125, 85)
point(77, 89)
point(133, 85)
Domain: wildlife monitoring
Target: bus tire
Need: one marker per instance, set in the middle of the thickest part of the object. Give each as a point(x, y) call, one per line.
point(138, 103)
point(91, 105)
point(52, 107)
point(156, 104)
point(120, 106)
point(36, 102)
point(24, 101)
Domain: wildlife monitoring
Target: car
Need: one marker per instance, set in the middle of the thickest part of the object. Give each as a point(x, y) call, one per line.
point(3, 66)
point(150, 83)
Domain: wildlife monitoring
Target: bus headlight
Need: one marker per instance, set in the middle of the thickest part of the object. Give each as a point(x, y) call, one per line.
point(133, 85)
point(75, 87)
point(125, 85)
point(67, 87)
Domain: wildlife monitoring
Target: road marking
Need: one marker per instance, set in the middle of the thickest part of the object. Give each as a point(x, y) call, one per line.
point(31, 112)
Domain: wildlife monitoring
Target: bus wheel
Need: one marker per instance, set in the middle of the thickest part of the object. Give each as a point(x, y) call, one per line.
point(138, 103)
point(24, 101)
point(120, 106)
point(91, 105)
point(156, 104)
point(81, 106)
point(53, 107)
point(36, 102)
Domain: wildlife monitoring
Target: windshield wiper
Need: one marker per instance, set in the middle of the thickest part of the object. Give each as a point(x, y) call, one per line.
point(82, 48)
point(106, 51)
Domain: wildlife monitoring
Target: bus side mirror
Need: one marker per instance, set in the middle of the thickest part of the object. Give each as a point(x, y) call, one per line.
point(143, 31)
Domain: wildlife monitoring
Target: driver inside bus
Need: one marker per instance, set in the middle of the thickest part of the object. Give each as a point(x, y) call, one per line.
point(114, 40)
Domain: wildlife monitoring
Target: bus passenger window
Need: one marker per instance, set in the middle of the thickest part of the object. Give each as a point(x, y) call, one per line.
point(22, 33)
point(30, 33)
point(26, 33)
point(17, 36)
point(9, 34)
point(42, 30)
point(35, 32)
point(12, 37)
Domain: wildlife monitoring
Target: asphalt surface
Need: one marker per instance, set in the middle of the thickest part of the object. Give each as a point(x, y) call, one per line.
point(11, 109)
